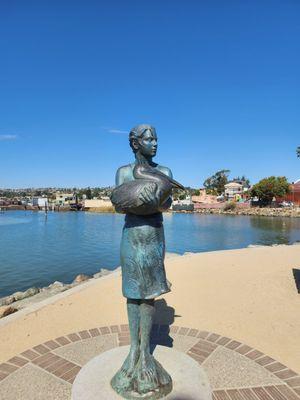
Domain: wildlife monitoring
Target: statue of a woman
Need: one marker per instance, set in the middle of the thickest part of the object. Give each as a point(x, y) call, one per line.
point(143, 272)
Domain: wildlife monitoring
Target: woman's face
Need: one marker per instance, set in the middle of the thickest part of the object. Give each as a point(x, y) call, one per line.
point(148, 144)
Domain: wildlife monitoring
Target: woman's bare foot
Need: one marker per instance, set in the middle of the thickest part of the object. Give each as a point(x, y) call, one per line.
point(146, 374)
point(122, 381)
point(130, 361)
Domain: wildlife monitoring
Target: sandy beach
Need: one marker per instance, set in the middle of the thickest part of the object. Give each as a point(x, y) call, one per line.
point(248, 295)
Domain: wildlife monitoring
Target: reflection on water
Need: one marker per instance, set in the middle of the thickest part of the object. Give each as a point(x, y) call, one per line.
point(12, 220)
point(35, 251)
point(274, 230)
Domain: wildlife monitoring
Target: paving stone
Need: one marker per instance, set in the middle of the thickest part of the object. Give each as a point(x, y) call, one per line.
point(84, 335)
point(235, 370)
point(287, 392)
point(114, 329)
point(274, 392)
point(62, 340)
point(220, 395)
point(183, 343)
point(19, 361)
point(51, 344)
point(81, 352)
point(104, 330)
point(248, 394)
point(234, 394)
point(33, 383)
point(274, 367)
point(213, 337)
point(228, 369)
point(7, 368)
point(261, 393)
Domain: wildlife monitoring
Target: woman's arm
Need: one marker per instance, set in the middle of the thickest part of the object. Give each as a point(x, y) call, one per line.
point(123, 174)
point(119, 177)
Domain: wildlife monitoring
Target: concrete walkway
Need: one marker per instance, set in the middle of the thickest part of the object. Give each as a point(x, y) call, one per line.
point(235, 370)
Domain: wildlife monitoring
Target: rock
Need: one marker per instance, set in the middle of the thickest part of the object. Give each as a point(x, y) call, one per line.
point(55, 287)
point(101, 273)
point(4, 311)
point(56, 284)
point(19, 296)
point(31, 292)
point(81, 278)
point(97, 275)
point(6, 301)
point(28, 293)
point(105, 271)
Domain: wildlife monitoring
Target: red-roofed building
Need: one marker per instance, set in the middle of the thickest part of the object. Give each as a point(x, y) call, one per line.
point(294, 194)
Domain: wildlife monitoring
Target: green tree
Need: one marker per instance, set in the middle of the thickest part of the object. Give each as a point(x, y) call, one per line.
point(215, 183)
point(267, 188)
point(88, 193)
point(242, 180)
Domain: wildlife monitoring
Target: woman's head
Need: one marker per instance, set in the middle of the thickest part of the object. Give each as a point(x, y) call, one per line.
point(143, 139)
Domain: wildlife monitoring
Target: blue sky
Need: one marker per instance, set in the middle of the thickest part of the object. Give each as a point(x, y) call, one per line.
point(219, 80)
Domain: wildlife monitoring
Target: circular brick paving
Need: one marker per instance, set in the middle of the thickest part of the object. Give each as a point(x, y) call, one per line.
point(236, 371)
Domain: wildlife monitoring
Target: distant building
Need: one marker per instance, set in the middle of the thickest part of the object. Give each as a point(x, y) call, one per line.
point(40, 201)
point(233, 191)
point(187, 201)
point(183, 205)
point(294, 195)
point(62, 199)
point(204, 198)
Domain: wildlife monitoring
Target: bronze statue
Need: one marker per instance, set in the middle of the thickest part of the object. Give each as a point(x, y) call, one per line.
point(143, 191)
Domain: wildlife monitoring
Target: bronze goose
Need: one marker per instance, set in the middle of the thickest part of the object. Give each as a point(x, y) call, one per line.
point(126, 197)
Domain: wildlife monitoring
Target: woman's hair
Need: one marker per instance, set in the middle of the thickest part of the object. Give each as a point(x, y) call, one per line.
point(137, 132)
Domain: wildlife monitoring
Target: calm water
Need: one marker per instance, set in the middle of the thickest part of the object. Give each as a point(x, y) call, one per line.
point(35, 251)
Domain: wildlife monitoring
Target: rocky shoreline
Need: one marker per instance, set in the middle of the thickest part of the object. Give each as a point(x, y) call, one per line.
point(255, 211)
point(18, 300)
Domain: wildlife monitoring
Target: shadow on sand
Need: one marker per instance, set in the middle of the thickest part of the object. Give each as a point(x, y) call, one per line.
point(163, 319)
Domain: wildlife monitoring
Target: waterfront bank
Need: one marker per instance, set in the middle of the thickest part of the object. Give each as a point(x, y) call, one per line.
point(218, 209)
point(253, 211)
point(37, 249)
point(247, 294)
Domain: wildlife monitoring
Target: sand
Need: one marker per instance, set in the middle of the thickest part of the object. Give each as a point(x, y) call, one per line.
point(247, 294)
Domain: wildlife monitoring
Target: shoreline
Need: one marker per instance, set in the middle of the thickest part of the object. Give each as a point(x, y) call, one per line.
point(293, 212)
point(253, 211)
point(17, 301)
point(247, 294)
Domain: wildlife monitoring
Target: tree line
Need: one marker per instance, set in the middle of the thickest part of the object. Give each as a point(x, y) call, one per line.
point(265, 190)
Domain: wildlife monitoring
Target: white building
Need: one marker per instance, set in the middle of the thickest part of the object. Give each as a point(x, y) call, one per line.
point(233, 190)
point(40, 201)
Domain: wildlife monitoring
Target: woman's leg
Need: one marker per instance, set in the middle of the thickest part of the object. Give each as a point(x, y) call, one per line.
point(147, 314)
point(133, 310)
point(122, 381)
point(146, 369)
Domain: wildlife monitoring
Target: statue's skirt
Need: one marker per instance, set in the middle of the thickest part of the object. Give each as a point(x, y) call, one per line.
point(142, 257)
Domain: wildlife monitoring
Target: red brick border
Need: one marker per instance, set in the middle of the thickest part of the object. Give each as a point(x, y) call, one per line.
point(43, 357)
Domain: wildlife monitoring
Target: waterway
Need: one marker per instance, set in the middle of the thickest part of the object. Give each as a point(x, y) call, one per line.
point(36, 251)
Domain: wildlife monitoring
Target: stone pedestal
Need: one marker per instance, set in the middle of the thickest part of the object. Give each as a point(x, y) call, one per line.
point(189, 379)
